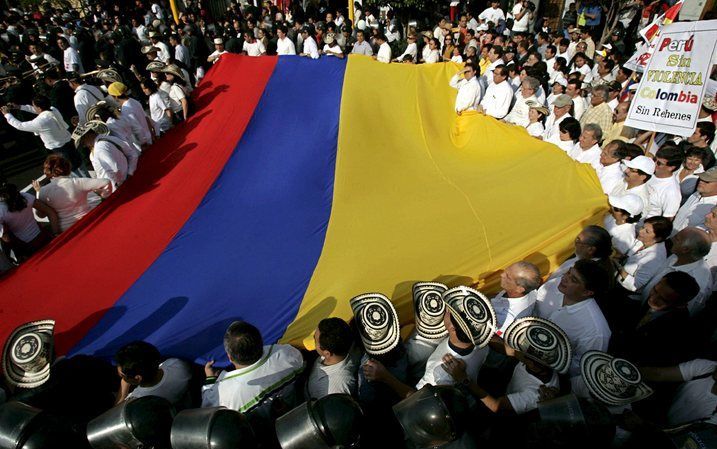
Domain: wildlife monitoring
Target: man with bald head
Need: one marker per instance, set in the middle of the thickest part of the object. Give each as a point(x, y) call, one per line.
point(689, 248)
point(519, 283)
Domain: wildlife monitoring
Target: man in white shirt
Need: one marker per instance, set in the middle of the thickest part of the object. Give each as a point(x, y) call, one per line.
point(696, 397)
point(311, 50)
point(538, 367)
point(157, 10)
point(284, 45)
point(521, 16)
point(492, 14)
point(587, 150)
point(49, 126)
point(261, 374)
point(468, 89)
point(495, 55)
point(610, 173)
point(689, 248)
point(142, 373)
point(181, 52)
point(384, 50)
point(663, 188)
point(463, 334)
point(519, 114)
point(700, 203)
point(109, 156)
point(164, 54)
point(361, 47)
point(519, 283)
point(498, 96)
point(252, 46)
point(637, 173)
point(70, 57)
point(38, 57)
point(561, 110)
point(574, 90)
point(334, 371)
point(133, 112)
point(577, 313)
point(86, 96)
point(218, 51)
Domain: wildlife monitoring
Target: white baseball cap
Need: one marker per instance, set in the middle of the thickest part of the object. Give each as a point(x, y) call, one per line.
point(633, 204)
point(642, 163)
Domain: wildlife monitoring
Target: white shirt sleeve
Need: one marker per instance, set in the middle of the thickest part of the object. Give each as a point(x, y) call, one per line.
point(695, 368)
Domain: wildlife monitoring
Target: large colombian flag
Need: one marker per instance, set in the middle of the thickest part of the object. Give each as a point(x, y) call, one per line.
point(296, 185)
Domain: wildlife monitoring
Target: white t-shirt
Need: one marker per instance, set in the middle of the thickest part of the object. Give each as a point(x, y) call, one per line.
point(436, 375)
point(255, 48)
point(337, 378)
point(384, 53)
point(176, 95)
point(174, 385)
point(694, 399)
point(523, 390)
point(535, 129)
point(664, 197)
point(623, 236)
point(285, 47)
point(494, 15)
point(68, 196)
point(522, 24)
point(157, 106)
point(21, 223)
point(332, 50)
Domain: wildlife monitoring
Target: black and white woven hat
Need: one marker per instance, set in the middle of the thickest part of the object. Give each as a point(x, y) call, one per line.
point(28, 354)
point(473, 312)
point(430, 308)
point(377, 322)
point(612, 380)
point(98, 126)
point(541, 340)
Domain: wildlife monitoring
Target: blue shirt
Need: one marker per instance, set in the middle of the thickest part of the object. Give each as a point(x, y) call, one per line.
point(591, 10)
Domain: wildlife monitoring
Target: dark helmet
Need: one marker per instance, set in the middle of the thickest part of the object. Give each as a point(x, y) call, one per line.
point(333, 420)
point(433, 416)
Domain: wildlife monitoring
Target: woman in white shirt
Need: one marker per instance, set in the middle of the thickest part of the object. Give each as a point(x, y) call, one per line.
point(159, 110)
point(68, 196)
point(569, 134)
point(433, 54)
point(625, 211)
point(536, 117)
point(687, 173)
point(18, 229)
point(647, 256)
point(177, 92)
point(580, 64)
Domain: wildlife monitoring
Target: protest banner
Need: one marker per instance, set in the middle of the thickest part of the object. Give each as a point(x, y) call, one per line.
point(670, 93)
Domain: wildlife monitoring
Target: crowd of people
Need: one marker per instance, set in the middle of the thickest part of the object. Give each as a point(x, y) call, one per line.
point(627, 322)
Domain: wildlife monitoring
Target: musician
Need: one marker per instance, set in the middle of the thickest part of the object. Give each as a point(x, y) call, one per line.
point(38, 58)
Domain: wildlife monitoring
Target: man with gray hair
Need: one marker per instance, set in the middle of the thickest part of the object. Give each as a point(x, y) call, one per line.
point(519, 283)
point(519, 114)
point(587, 149)
point(599, 111)
point(689, 248)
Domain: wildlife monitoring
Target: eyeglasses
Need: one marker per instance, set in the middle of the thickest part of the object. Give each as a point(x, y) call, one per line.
point(580, 242)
